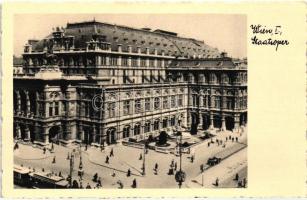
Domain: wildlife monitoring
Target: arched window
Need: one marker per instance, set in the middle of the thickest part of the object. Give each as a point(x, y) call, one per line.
point(164, 123)
point(157, 103)
point(126, 131)
point(217, 102)
point(165, 102)
point(137, 106)
point(147, 127)
point(156, 124)
point(173, 121)
point(137, 129)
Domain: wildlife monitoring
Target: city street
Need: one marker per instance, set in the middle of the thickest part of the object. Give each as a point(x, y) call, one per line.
point(93, 160)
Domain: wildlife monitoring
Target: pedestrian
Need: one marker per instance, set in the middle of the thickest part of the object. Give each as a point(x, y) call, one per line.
point(244, 182)
point(237, 177)
point(99, 182)
point(128, 173)
point(95, 177)
point(60, 174)
point(217, 141)
point(239, 183)
point(236, 139)
point(175, 166)
point(113, 174)
point(208, 144)
point(120, 184)
point(192, 158)
point(86, 147)
point(107, 159)
point(202, 168)
point(111, 153)
point(156, 166)
point(53, 161)
point(68, 157)
point(232, 139)
point(43, 170)
point(217, 182)
point(88, 186)
point(134, 183)
point(226, 139)
point(141, 156)
point(44, 150)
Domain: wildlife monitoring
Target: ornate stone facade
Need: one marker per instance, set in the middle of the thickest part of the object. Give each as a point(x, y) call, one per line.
point(106, 83)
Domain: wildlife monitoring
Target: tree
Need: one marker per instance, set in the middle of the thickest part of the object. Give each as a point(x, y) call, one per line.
point(162, 138)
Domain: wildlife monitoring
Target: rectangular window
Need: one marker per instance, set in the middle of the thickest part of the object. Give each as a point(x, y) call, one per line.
point(113, 61)
point(147, 104)
point(134, 62)
point(173, 101)
point(165, 102)
point(126, 107)
point(143, 62)
point(180, 100)
point(124, 62)
point(56, 108)
point(50, 110)
point(103, 60)
point(111, 109)
point(151, 62)
point(217, 102)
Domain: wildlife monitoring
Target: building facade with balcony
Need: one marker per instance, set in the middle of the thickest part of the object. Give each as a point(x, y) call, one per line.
point(98, 83)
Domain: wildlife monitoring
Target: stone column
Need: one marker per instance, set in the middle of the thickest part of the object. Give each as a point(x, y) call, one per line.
point(28, 104)
point(200, 124)
point(237, 123)
point(37, 106)
point(81, 132)
point(188, 120)
point(45, 135)
point(27, 133)
point(101, 135)
point(224, 102)
point(18, 132)
point(223, 128)
point(18, 104)
point(94, 134)
point(211, 122)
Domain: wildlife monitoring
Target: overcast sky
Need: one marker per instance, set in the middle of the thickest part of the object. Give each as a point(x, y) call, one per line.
point(226, 32)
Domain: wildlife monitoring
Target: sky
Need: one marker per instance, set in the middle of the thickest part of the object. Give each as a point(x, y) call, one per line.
point(225, 32)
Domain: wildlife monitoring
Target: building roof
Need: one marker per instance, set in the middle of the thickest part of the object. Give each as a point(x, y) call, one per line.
point(170, 42)
point(225, 63)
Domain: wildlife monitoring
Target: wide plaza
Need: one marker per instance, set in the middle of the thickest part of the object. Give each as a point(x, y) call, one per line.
point(232, 152)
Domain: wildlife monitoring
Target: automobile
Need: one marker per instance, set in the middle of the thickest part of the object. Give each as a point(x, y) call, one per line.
point(213, 161)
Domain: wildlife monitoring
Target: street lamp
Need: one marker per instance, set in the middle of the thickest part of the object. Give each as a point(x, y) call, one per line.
point(80, 171)
point(143, 167)
point(180, 175)
point(71, 167)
